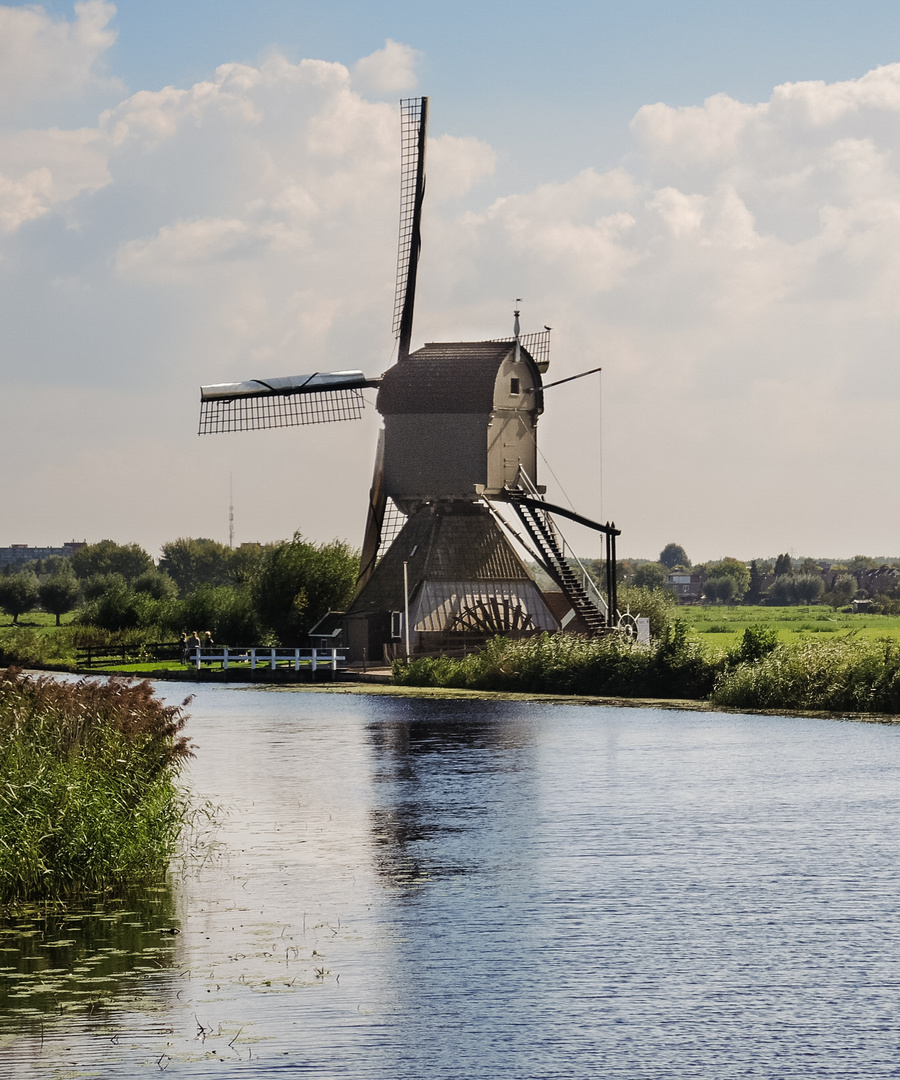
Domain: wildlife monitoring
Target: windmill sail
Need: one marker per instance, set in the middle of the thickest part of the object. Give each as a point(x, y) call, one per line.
point(537, 344)
point(320, 398)
point(414, 128)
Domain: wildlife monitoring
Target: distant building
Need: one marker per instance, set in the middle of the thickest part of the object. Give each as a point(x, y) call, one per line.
point(22, 553)
point(687, 587)
point(878, 581)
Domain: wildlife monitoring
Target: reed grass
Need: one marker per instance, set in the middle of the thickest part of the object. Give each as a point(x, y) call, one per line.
point(89, 799)
point(846, 674)
point(672, 666)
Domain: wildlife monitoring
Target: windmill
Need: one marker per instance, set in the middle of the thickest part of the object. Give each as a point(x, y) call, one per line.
point(458, 444)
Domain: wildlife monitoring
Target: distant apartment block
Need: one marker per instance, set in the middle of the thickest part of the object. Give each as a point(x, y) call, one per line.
point(23, 553)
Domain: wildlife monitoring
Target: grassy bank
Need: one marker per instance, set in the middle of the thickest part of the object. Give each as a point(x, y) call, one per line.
point(849, 673)
point(89, 801)
point(673, 666)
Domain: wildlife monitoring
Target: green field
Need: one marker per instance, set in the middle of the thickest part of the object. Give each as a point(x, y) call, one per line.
point(722, 627)
point(36, 620)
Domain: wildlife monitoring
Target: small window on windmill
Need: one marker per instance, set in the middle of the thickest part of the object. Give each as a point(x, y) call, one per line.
point(514, 386)
point(396, 624)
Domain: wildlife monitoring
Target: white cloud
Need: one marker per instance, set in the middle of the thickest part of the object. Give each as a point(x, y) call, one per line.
point(736, 278)
point(45, 58)
point(455, 165)
point(40, 170)
point(388, 70)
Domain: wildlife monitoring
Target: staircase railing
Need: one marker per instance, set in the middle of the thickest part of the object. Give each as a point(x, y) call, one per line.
point(587, 582)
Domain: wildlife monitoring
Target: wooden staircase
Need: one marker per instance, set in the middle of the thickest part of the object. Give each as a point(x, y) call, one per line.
point(540, 528)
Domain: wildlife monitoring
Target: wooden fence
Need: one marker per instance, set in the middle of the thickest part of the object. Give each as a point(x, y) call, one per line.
point(100, 655)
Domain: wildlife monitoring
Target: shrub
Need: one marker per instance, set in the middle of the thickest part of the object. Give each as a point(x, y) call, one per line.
point(657, 605)
point(26, 647)
point(226, 611)
point(758, 641)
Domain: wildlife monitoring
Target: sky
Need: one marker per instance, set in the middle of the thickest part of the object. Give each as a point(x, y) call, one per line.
point(702, 198)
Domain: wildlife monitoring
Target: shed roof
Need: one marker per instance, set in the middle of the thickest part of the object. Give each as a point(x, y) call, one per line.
point(464, 544)
point(448, 377)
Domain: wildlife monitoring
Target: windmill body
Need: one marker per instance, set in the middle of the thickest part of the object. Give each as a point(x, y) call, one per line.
point(460, 423)
point(459, 436)
point(460, 420)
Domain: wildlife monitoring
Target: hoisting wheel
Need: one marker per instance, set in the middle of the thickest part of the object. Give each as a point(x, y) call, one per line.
point(628, 625)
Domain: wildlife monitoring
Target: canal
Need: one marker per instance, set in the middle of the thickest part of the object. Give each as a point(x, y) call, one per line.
point(408, 888)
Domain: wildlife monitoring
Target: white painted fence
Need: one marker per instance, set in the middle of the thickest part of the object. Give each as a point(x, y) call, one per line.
point(270, 658)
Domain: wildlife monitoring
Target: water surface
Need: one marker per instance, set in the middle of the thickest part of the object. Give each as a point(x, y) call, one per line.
point(421, 888)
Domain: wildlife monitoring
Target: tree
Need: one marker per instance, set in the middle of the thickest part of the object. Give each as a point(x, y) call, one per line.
point(225, 610)
point(18, 594)
point(156, 584)
point(246, 562)
point(783, 565)
point(720, 589)
point(650, 576)
point(299, 582)
point(842, 591)
point(734, 569)
point(673, 555)
point(108, 557)
point(809, 566)
point(782, 590)
point(755, 588)
point(59, 593)
point(98, 584)
point(191, 563)
point(808, 588)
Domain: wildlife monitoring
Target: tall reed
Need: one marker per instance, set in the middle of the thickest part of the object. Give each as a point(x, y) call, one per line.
point(846, 674)
point(89, 800)
point(672, 666)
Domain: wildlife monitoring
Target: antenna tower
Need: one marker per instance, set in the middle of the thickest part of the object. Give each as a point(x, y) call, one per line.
point(231, 510)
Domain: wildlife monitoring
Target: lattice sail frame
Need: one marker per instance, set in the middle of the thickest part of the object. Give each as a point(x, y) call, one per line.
point(221, 415)
point(391, 525)
point(413, 133)
point(537, 345)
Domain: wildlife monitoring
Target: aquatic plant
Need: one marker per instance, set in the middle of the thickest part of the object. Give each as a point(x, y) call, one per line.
point(89, 800)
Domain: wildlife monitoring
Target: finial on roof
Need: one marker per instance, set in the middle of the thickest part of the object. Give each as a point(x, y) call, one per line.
point(516, 328)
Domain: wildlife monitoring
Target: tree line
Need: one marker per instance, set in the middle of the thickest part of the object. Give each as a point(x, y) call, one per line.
point(256, 593)
point(782, 580)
